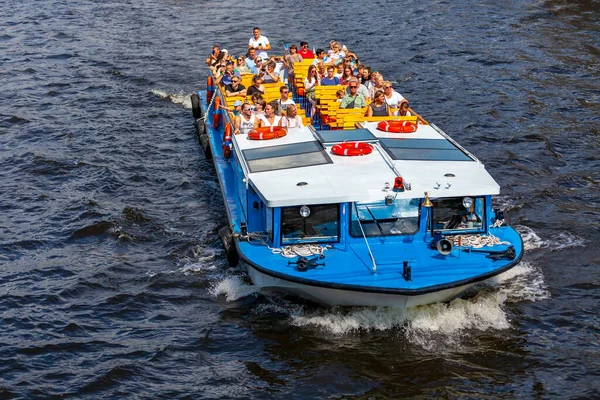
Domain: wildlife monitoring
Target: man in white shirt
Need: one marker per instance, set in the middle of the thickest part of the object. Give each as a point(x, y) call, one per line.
point(260, 43)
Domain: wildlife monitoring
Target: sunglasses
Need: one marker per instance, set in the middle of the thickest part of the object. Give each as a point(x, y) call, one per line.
point(353, 86)
point(387, 87)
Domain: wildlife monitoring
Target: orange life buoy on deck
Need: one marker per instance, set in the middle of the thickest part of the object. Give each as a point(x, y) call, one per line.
point(397, 126)
point(217, 112)
point(227, 132)
point(352, 149)
point(267, 133)
point(209, 89)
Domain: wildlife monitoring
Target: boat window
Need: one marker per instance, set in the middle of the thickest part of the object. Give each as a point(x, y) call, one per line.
point(321, 225)
point(451, 214)
point(401, 217)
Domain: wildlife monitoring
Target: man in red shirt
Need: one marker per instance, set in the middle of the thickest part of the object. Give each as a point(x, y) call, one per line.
point(305, 52)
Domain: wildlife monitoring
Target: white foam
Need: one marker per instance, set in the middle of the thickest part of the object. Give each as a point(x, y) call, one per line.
point(531, 240)
point(233, 288)
point(177, 98)
point(524, 282)
point(562, 240)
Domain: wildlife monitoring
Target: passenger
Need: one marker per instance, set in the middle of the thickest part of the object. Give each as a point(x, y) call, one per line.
point(250, 57)
point(235, 88)
point(305, 52)
point(291, 118)
point(215, 57)
point(226, 75)
point(310, 84)
point(256, 97)
point(257, 86)
point(321, 69)
point(284, 102)
point(345, 79)
point(237, 109)
point(259, 66)
point(259, 108)
point(270, 118)
point(260, 43)
point(340, 71)
point(403, 109)
point(377, 79)
point(321, 57)
point(359, 72)
point(245, 122)
point(392, 97)
point(290, 59)
point(270, 76)
point(366, 77)
point(339, 95)
point(330, 79)
point(336, 54)
point(378, 108)
point(354, 99)
point(241, 66)
point(362, 89)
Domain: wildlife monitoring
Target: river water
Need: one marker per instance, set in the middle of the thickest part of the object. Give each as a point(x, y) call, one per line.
point(113, 283)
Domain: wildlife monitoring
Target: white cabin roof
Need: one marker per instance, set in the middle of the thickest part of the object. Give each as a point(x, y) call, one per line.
point(338, 179)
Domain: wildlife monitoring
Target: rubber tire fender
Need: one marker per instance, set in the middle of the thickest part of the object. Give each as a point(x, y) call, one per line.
point(205, 147)
point(226, 236)
point(200, 127)
point(196, 108)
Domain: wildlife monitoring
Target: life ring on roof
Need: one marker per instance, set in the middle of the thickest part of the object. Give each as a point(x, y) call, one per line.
point(397, 126)
point(352, 149)
point(267, 133)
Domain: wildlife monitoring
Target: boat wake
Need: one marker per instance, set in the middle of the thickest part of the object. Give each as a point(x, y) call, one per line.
point(176, 98)
point(563, 240)
point(233, 288)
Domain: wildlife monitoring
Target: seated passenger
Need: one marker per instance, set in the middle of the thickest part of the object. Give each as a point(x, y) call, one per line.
point(237, 109)
point(235, 88)
point(256, 97)
point(340, 71)
point(250, 57)
point(241, 66)
point(257, 86)
point(336, 54)
point(365, 78)
point(245, 122)
point(305, 52)
point(362, 89)
point(284, 102)
point(290, 59)
point(377, 84)
point(321, 70)
point(345, 79)
point(354, 99)
point(291, 118)
point(403, 109)
point(392, 97)
point(215, 57)
point(311, 82)
point(378, 108)
point(270, 118)
point(330, 79)
point(226, 75)
point(259, 108)
point(321, 57)
point(339, 95)
point(270, 76)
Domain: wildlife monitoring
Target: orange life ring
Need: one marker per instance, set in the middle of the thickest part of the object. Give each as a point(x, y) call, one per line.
point(397, 126)
point(227, 132)
point(267, 133)
point(209, 89)
point(352, 149)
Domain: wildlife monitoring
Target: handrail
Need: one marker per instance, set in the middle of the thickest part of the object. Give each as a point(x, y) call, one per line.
point(374, 270)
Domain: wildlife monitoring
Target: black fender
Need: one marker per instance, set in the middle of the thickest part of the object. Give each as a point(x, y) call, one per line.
point(196, 107)
point(204, 142)
point(227, 239)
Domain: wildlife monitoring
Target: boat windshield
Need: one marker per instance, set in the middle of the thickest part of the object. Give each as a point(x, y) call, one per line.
point(321, 224)
point(401, 217)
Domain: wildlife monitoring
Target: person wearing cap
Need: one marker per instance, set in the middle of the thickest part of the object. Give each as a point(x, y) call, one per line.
point(235, 88)
point(260, 43)
point(233, 113)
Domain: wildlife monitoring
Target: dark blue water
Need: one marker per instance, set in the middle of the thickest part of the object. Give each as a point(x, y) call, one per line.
point(112, 279)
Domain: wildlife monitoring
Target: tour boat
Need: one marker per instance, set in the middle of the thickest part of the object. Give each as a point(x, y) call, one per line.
point(382, 213)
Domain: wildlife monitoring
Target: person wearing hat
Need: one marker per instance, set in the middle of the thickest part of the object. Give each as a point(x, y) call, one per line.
point(235, 88)
point(237, 109)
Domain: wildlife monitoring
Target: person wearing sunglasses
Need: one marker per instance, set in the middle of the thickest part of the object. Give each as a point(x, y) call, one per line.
point(353, 99)
point(245, 122)
point(226, 75)
point(392, 97)
point(285, 100)
point(235, 88)
point(241, 67)
point(305, 52)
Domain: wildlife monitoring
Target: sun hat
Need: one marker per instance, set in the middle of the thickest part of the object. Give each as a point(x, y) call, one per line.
point(237, 103)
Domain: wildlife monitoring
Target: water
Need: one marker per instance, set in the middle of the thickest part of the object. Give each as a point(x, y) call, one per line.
point(112, 279)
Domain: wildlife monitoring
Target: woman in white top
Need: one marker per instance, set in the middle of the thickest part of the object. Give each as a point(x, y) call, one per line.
point(270, 119)
point(392, 97)
point(310, 84)
point(245, 122)
point(291, 119)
